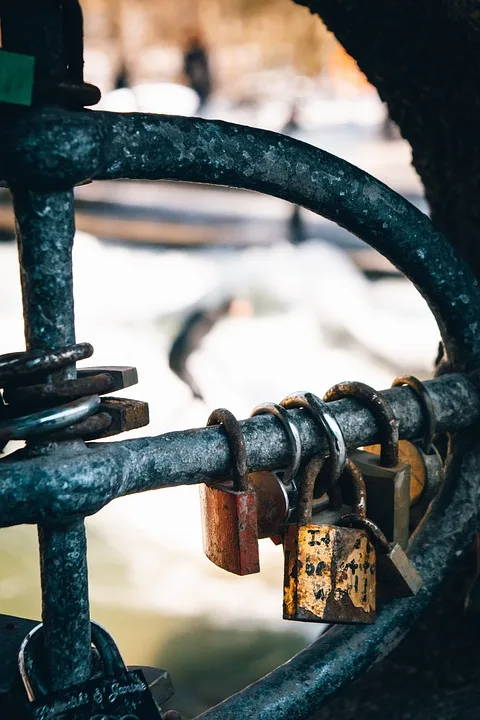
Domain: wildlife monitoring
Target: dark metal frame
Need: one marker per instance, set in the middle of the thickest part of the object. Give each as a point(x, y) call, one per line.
point(44, 152)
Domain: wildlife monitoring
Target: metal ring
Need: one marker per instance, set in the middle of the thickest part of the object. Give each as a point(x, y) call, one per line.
point(291, 430)
point(236, 442)
point(24, 364)
point(46, 421)
point(324, 416)
point(380, 407)
point(425, 400)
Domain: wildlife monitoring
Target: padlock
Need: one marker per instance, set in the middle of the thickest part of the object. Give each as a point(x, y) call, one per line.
point(396, 575)
point(229, 509)
point(330, 573)
point(387, 480)
point(427, 469)
point(113, 693)
point(276, 490)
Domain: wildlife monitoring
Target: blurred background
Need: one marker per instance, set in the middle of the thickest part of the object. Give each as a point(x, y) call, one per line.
point(205, 290)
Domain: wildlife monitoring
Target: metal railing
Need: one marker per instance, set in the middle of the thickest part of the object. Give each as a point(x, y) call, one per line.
point(55, 483)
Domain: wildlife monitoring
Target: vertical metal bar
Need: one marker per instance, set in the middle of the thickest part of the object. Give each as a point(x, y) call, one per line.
point(45, 231)
point(65, 606)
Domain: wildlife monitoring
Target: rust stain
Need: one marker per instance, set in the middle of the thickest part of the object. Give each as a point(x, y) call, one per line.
point(330, 575)
point(229, 528)
point(356, 573)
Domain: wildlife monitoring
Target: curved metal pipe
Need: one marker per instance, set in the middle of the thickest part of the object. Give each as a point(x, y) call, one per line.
point(53, 149)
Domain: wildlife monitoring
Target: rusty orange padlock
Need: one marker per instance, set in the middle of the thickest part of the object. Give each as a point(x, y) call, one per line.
point(229, 508)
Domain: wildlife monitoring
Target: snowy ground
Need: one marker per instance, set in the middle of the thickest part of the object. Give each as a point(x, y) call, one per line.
point(313, 320)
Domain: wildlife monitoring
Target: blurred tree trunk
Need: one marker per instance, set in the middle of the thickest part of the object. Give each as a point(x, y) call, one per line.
point(423, 57)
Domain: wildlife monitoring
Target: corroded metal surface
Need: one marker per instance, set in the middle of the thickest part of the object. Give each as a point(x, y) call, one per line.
point(272, 503)
point(396, 572)
point(330, 571)
point(43, 154)
point(229, 509)
point(90, 480)
point(23, 366)
point(325, 665)
point(82, 146)
point(229, 527)
point(382, 410)
point(387, 480)
point(89, 381)
point(329, 575)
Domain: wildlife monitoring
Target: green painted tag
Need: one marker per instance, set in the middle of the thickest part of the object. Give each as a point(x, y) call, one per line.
point(16, 78)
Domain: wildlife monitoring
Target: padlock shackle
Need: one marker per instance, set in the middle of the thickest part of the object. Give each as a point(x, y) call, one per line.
point(426, 403)
point(108, 651)
point(305, 499)
point(110, 656)
point(292, 433)
point(380, 407)
point(353, 472)
point(359, 522)
point(329, 424)
point(236, 443)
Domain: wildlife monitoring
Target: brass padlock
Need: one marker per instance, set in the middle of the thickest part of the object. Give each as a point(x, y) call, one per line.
point(329, 570)
point(386, 478)
point(277, 490)
point(229, 509)
point(396, 575)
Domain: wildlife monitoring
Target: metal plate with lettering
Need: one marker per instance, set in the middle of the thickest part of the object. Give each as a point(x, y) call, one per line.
point(128, 698)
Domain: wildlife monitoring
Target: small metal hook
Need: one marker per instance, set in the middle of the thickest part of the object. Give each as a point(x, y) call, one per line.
point(428, 408)
point(292, 433)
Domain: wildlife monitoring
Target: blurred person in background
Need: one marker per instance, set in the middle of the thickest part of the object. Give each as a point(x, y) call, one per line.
point(196, 67)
